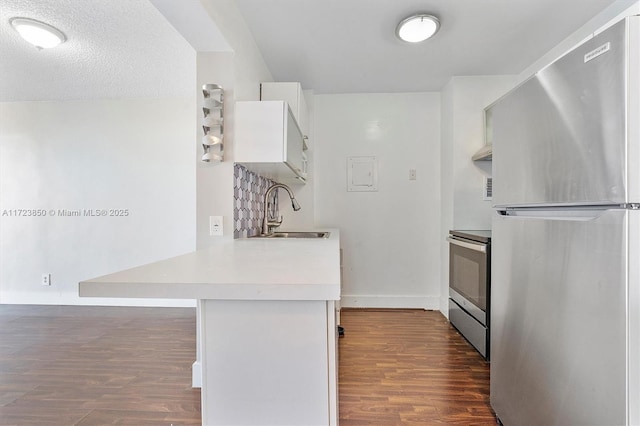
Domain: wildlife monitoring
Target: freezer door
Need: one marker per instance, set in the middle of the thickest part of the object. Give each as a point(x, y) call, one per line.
point(559, 138)
point(558, 319)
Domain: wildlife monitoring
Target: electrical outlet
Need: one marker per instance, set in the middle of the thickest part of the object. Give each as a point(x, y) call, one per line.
point(46, 279)
point(215, 226)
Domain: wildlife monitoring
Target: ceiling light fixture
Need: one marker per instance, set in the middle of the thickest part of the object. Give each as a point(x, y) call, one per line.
point(417, 28)
point(41, 35)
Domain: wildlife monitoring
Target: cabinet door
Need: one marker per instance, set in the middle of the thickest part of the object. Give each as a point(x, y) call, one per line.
point(268, 141)
point(269, 355)
point(293, 145)
point(291, 92)
point(259, 132)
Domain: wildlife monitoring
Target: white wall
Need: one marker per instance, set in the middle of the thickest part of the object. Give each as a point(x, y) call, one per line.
point(240, 73)
point(249, 66)
point(389, 237)
point(468, 98)
point(135, 155)
point(611, 14)
point(463, 100)
point(446, 182)
point(214, 181)
point(462, 180)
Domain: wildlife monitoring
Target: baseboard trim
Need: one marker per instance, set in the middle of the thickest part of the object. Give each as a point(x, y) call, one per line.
point(395, 302)
point(444, 307)
point(22, 298)
point(196, 375)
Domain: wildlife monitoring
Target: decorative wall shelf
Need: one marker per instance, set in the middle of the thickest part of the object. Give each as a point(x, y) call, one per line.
point(213, 123)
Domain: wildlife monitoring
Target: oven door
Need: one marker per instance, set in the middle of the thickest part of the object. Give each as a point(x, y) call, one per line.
point(468, 276)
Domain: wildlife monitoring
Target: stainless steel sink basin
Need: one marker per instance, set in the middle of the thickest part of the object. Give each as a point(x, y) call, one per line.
point(295, 235)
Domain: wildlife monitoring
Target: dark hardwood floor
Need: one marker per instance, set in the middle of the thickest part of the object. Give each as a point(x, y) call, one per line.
point(97, 366)
point(410, 367)
point(62, 365)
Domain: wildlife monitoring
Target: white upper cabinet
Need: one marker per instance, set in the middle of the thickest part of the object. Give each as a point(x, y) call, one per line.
point(291, 92)
point(269, 141)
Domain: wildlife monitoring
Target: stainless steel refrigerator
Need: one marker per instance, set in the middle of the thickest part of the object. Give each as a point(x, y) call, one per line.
point(565, 293)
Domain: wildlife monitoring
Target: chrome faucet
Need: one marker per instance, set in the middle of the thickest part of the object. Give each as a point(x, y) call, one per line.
point(269, 223)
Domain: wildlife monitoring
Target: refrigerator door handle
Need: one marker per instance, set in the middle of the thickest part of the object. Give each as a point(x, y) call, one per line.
point(553, 214)
point(477, 247)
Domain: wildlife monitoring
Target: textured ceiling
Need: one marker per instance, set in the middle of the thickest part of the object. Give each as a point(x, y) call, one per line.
point(114, 49)
point(342, 46)
point(127, 49)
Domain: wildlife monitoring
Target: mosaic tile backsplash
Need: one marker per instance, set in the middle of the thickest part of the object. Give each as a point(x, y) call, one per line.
point(249, 189)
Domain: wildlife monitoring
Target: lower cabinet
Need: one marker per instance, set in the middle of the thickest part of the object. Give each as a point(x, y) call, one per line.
point(269, 362)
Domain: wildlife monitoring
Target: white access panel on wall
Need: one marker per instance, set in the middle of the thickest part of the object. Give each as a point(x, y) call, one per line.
point(362, 174)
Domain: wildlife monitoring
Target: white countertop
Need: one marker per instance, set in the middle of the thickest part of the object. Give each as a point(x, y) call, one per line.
point(241, 269)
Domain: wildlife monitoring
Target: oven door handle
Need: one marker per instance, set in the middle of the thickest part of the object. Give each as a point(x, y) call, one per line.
point(477, 247)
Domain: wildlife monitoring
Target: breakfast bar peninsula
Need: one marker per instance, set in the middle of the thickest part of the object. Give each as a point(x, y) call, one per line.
point(267, 324)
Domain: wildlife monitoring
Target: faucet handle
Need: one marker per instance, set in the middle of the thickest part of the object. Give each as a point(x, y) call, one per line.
point(273, 223)
point(276, 222)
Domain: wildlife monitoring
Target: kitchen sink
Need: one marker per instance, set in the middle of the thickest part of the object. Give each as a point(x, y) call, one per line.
point(310, 234)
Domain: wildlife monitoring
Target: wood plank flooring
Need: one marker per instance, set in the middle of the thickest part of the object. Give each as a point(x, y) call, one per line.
point(97, 366)
point(62, 365)
point(409, 367)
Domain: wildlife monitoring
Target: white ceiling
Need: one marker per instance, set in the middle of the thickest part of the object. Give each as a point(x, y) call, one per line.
point(114, 49)
point(126, 48)
point(343, 46)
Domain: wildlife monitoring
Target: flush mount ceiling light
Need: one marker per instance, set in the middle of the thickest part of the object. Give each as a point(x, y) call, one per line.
point(417, 28)
point(41, 35)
